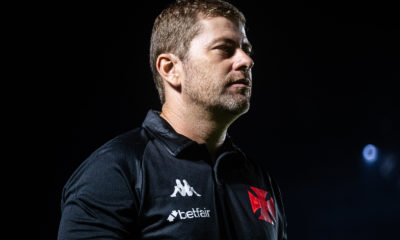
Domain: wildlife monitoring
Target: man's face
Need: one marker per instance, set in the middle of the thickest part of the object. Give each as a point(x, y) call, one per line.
point(217, 67)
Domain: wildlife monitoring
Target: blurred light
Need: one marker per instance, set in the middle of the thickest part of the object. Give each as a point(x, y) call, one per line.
point(388, 167)
point(370, 153)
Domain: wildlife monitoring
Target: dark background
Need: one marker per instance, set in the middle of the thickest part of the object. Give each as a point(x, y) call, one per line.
point(326, 83)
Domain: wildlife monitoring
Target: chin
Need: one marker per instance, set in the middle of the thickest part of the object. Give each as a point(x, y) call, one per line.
point(239, 110)
point(235, 106)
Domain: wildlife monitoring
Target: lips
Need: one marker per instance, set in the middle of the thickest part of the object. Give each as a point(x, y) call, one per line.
point(243, 81)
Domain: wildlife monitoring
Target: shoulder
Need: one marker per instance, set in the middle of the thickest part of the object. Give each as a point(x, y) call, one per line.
point(106, 187)
point(116, 165)
point(125, 149)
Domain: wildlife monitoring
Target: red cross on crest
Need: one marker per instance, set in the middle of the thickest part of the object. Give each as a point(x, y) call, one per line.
point(260, 202)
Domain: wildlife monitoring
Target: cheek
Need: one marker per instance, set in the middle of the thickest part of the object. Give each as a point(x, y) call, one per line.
point(226, 69)
point(208, 74)
point(221, 70)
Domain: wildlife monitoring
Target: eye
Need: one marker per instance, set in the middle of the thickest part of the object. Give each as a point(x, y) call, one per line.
point(226, 50)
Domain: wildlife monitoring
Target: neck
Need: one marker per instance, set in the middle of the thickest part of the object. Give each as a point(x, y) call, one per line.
point(199, 125)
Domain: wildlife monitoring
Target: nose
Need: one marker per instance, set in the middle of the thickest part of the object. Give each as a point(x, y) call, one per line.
point(243, 62)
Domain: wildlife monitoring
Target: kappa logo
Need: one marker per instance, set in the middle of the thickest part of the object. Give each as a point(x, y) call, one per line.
point(184, 189)
point(267, 206)
point(194, 213)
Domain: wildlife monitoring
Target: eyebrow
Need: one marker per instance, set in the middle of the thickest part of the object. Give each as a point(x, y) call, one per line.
point(230, 41)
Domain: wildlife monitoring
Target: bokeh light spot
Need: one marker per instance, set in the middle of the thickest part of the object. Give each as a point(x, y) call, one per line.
point(370, 153)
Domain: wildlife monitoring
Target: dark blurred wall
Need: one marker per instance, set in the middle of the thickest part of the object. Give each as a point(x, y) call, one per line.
point(326, 83)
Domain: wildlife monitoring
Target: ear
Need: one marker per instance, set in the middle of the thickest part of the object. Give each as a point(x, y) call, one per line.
point(169, 67)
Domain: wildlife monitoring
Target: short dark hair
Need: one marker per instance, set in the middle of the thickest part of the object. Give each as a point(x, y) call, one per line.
point(177, 25)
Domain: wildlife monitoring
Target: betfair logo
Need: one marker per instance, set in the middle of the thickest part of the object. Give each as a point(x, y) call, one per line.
point(184, 189)
point(194, 213)
point(172, 216)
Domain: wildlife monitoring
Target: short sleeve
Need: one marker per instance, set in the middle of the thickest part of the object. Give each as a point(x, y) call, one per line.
point(98, 201)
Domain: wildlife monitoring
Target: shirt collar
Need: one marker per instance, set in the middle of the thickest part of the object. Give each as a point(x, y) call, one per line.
point(174, 142)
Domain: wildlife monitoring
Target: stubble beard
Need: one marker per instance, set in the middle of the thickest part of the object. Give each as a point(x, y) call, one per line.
point(213, 94)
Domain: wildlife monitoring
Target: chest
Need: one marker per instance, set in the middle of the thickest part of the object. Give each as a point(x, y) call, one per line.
point(190, 200)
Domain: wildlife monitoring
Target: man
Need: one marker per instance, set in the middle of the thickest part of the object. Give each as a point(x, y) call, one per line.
point(180, 176)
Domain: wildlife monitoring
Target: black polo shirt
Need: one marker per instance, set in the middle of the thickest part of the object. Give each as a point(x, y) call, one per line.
point(153, 183)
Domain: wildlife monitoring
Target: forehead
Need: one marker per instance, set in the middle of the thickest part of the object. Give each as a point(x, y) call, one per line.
point(220, 28)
